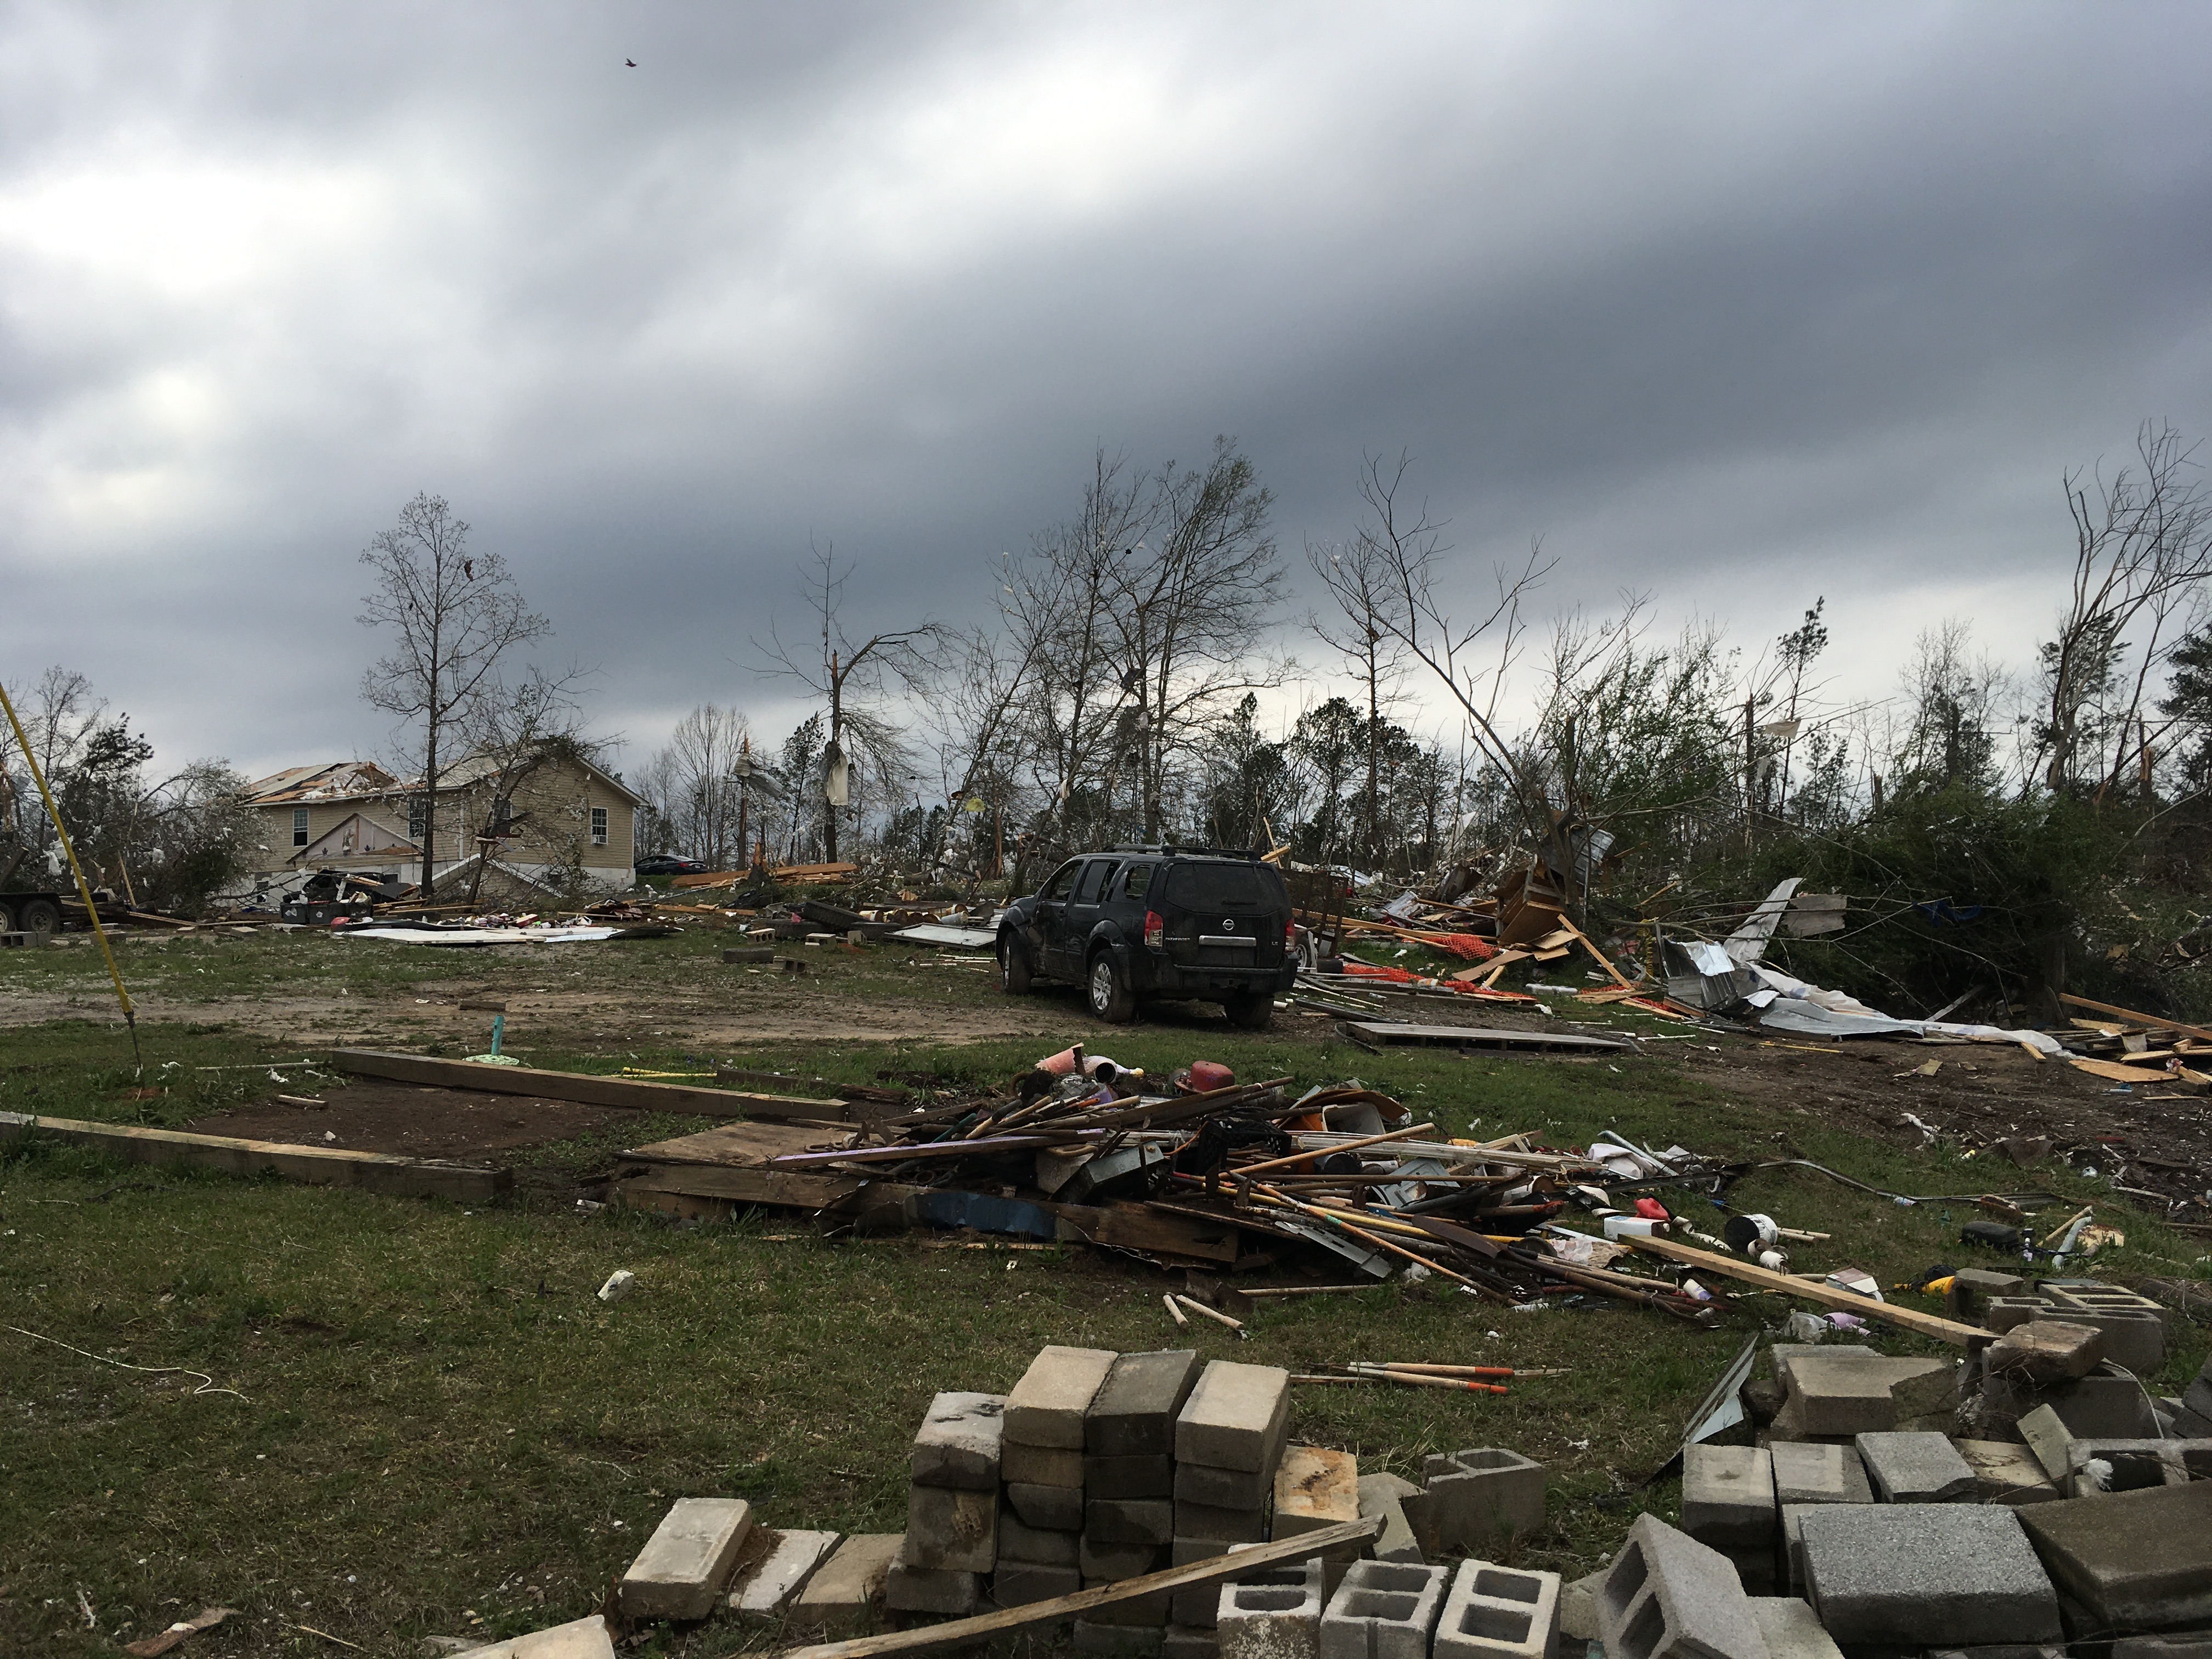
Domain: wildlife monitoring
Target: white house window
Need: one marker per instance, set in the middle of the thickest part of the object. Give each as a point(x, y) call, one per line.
point(299, 826)
point(598, 826)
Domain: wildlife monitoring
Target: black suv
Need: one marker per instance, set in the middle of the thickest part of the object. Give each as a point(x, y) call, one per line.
point(1198, 924)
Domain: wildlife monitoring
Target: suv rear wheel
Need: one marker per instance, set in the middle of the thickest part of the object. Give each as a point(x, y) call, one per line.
point(1014, 970)
point(1252, 1012)
point(1110, 998)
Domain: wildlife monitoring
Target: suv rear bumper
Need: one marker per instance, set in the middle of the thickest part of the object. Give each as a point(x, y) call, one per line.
point(1154, 973)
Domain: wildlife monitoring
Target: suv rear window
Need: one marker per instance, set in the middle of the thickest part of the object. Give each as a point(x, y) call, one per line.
point(1223, 886)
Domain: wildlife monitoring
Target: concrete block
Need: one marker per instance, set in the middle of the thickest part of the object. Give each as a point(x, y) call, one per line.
point(919, 1590)
point(959, 1442)
point(1474, 1495)
point(1112, 1563)
point(1384, 1610)
point(849, 1586)
point(1227, 1489)
point(2106, 1466)
point(1018, 1583)
point(762, 1588)
point(1040, 1466)
point(1235, 1417)
point(2108, 1296)
point(1043, 1546)
point(1790, 1557)
point(1728, 1496)
point(1116, 1641)
point(1579, 1606)
point(2001, 1313)
point(1149, 1520)
point(1152, 1609)
point(1832, 1392)
point(1792, 1629)
point(1920, 1574)
point(1782, 1356)
point(2176, 1418)
point(1814, 1473)
point(2006, 1473)
point(2102, 1406)
point(1146, 1475)
point(1972, 1287)
point(1047, 1406)
point(1383, 1494)
point(1058, 1508)
point(1315, 1487)
point(2040, 1350)
point(1916, 1468)
point(1667, 1596)
point(1195, 1606)
point(1499, 1613)
point(949, 1530)
point(2134, 1337)
point(1188, 1641)
point(1273, 1614)
point(1228, 1526)
point(1927, 1400)
point(2137, 1560)
point(586, 1639)
point(1133, 1413)
point(681, 1571)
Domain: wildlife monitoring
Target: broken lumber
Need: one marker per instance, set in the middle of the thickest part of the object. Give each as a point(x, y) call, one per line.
point(2151, 1022)
point(321, 1166)
point(1812, 1289)
point(961, 1632)
point(625, 1094)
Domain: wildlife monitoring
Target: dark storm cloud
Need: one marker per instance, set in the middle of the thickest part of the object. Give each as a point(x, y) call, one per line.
point(1737, 305)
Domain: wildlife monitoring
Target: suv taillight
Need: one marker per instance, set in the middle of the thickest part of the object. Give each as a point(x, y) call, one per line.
point(1291, 934)
point(1155, 929)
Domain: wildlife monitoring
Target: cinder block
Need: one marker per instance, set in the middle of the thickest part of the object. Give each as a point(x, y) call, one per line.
point(1499, 1613)
point(1151, 1610)
point(1038, 1545)
point(919, 1589)
point(1384, 1494)
point(847, 1587)
point(2102, 1406)
point(2134, 1337)
point(2036, 1351)
point(1916, 1468)
point(1384, 1610)
point(1809, 1472)
point(1133, 1413)
point(2001, 1313)
point(1117, 1641)
point(760, 1591)
point(586, 1639)
point(1017, 1583)
point(1047, 1406)
point(1834, 1393)
point(1227, 1489)
point(1792, 1629)
point(1728, 1496)
point(1040, 1466)
point(1149, 1475)
point(1188, 1641)
point(2137, 1560)
point(1057, 1509)
point(1474, 1495)
point(1235, 1417)
point(1578, 1608)
point(681, 1571)
point(1667, 1596)
point(1229, 1525)
point(1147, 1521)
point(1921, 1575)
point(1114, 1562)
point(2107, 1465)
point(959, 1442)
point(1315, 1487)
point(1273, 1614)
point(1972, 1287)
point(949, 1530)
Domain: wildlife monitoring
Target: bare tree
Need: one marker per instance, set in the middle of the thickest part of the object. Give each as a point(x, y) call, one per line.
point(1358, 576)
point(452, 616)
point(978, 721)
point(852, 681)
point(701, 787)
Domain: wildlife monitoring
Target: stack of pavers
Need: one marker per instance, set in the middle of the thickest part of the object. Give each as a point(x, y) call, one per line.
point(1128, 1492)
point(952, 1509)
point(1041, 1530)
point(1229, 1440)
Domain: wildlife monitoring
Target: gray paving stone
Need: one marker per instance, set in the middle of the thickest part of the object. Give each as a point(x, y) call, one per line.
point(1835, 1393)
point(1043, 1546)
point(1148, 1475)
point(1384, 1610)
point(760, 1591)
point(1382, 1493)
point(1315, 1486)
point(2135, 1560)
point(1040, 1466)
point(1474, 1495)
point(1924, 1574)
point(1018, 1583)
point(1057, 1509)
point(1235, 1417)
point(848, 1586)
point(1188, 1641)
point(1792, 1629)
point(1117, 1641)
point(584, 1638)
point(1133, 1413)
point(1273, 1614)
point(1047, 1406)
point(919, 1589)
point(1196, 1606)
point(2006, 1473)
point(2134, 1337)
point(1499, 1613)
point(1808, 1472)
point(1229, 1525)
point(681, 1571)
point(1227, 1489)
point(1114, 1562)
point(2102, 1406)
point(1148, 1521)
point(959, 1442)
point(1916, 1468)
point(1152, 1609)
point(1667, 1596)
point(949, 1530)
point(1728, 1496)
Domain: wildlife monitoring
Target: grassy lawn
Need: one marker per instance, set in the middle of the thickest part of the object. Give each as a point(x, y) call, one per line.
point(437, 1429)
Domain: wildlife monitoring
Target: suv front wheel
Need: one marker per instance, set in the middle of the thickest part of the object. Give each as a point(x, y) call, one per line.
point(1110, 998)
point(1014, 970)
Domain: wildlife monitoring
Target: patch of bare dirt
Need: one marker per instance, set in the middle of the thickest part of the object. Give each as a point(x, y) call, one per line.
point(411, 1121)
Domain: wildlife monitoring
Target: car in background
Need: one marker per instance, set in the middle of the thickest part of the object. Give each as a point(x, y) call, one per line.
point(1135, 924)
point(666, 864)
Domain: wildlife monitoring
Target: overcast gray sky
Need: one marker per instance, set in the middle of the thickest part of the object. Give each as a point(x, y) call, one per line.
point(1740, 304)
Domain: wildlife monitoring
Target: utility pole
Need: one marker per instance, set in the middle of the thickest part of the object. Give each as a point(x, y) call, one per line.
point(1750, 769)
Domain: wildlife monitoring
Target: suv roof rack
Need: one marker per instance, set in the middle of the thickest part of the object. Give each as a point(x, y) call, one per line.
point(1170, 850)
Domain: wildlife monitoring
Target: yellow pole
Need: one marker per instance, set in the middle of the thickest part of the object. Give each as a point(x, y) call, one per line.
point(83, 887)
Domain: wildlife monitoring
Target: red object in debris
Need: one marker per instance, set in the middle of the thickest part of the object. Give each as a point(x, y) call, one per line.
point(1652, 1210)
point(1063, 1063)
point(1205, 1076)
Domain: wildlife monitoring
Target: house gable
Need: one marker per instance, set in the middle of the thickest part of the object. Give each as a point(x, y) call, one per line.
point(358, 836)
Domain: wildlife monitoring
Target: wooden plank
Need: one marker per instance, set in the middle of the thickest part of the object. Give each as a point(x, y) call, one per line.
point(2156, 1021)
point(961, 1633)
point(1146, 1227)
point(743, 1143)
point(324, 1166)
point(1486, 1036)
point(1812, 1289)
point(625, 1094)
point(751, 1186)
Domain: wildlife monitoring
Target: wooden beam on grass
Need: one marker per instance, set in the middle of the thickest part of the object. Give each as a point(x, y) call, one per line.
point(624, 1094)
point(1812, 1289)
point(961, 1633)
point(321, 1166)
